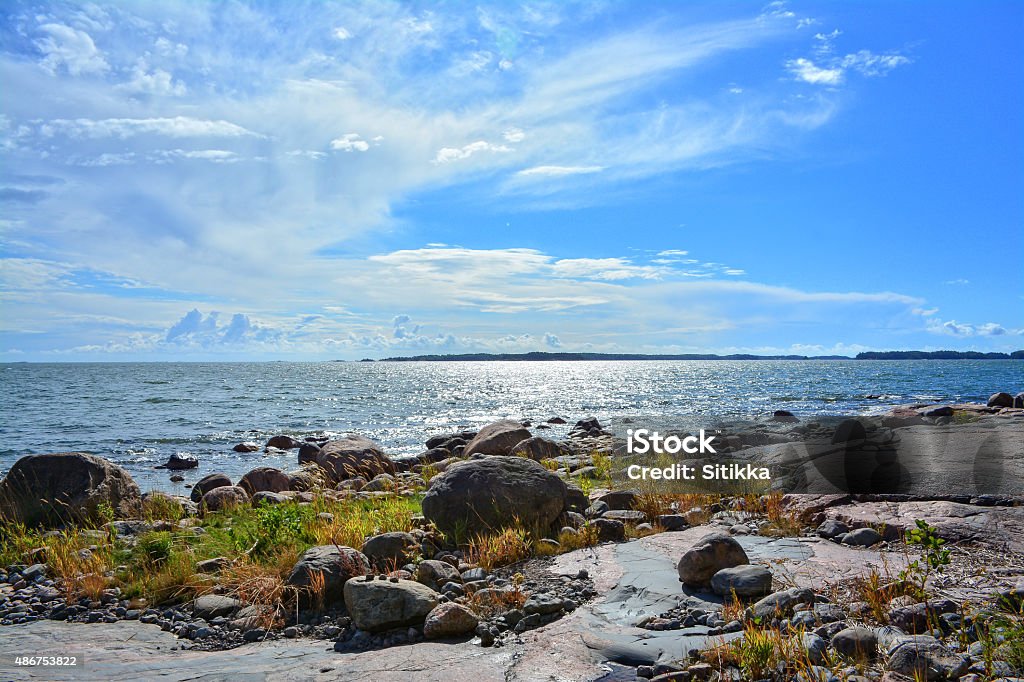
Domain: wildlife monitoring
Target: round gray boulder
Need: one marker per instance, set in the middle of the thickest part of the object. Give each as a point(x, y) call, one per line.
point(56, 488)
point(497, 439)
point(353, 456)
point(376, 605)
point(336, 563)
point(223, 497)
point(745, 581)
point(449, 620)
point(710, 555)
point(389, 551)
point(266, 479)
point(208, 483)
point(482, 495)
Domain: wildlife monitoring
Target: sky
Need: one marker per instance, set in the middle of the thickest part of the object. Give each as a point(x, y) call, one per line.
point(249, 181)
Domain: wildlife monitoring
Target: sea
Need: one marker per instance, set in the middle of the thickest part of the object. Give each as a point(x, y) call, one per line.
point(138, 414)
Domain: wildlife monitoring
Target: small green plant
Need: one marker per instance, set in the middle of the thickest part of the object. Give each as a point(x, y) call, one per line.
point(934, 557)
point(105, 513)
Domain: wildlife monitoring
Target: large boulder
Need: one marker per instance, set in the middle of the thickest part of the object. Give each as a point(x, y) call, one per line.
point(538, 448)
point(208, 483)
point(66, 486)
point(284, 443)
point(497, 439)
point(376, 605)
point(389, 551)
point(1000, 400)
point(353, 456)
point(449, 620)
point(710, 555)
point(224, 497)
point(263, 479)
point(336, 563)
point(481, 495)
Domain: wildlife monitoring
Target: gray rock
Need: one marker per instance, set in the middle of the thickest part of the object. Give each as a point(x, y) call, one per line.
point(708, 556)
point(381, 604)
point(856, 642)
point(209, 606)
point(746, 581)
point(629, 516)
point(815, 647)
point(481, 495)
point(596, 510)
point(537, 448)
point(214, 565)
point(284, 443)
point(55, 488)
point(181, 460)
point(474, 574)
point(246, 447)
point(926, 658)
point(543, 604)
point(1000, 400)
point(610, 530)
point(921, 617)
point(620, 499)
point(208, 483)
point(389, 551)
point(673, 522)
point(267, 497)
point(781, 603)
point(265, 478)
point(449, 620)
point(224, 497)
point(337, 563)
point(862, 537)
point(434, 573)
point(831, 528)
point(353, 456)
point(497, 439)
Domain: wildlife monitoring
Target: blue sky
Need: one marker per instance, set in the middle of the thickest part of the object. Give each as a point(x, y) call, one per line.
point(188, 180)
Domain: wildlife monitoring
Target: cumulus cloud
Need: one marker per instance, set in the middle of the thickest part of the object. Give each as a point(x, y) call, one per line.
point(70, 48)
point(449, 154)
point(830, 69)
point(350, 142)
point(153, 81)
point(806, 70)
point(954, 328)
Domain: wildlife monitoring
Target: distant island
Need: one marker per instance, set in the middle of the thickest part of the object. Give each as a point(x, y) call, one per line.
point(543, 356)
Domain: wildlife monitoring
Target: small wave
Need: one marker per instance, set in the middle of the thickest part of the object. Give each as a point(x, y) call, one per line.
point(157, 401)
point(156, 381)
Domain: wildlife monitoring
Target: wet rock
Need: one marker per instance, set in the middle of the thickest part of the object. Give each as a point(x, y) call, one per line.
point(381, 605)
point(709, 555)
point(745, 581)
point(484, 494)
point(284, 443)
point(223, 497)
point(390, 550)
point(246, 447)
point(53, 488)
point(265, 478)
point(1018, 400)
point(784, 416)
point(353, 456)
point(208, 483)
point(856, 642)
point(336, 563)
point(498, 438)
point(181, 460)
point(449, 620)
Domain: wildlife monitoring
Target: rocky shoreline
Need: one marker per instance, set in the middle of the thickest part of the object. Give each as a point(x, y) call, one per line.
point(492, 545)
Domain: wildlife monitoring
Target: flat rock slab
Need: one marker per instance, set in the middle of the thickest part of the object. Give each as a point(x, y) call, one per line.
point(634, 580)
point(996, 527)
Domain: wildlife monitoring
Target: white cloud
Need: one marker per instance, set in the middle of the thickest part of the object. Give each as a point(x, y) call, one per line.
point(870, 64)
point(514, 135)
point(214, 155)
point(449, 154)
point(153, 82)
point(808, 72)
point(123, 128)
point(556, 171)
point(954, 328)
point(341, 33)
point(350, 142)
point(958, 282)
point(70, 48)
